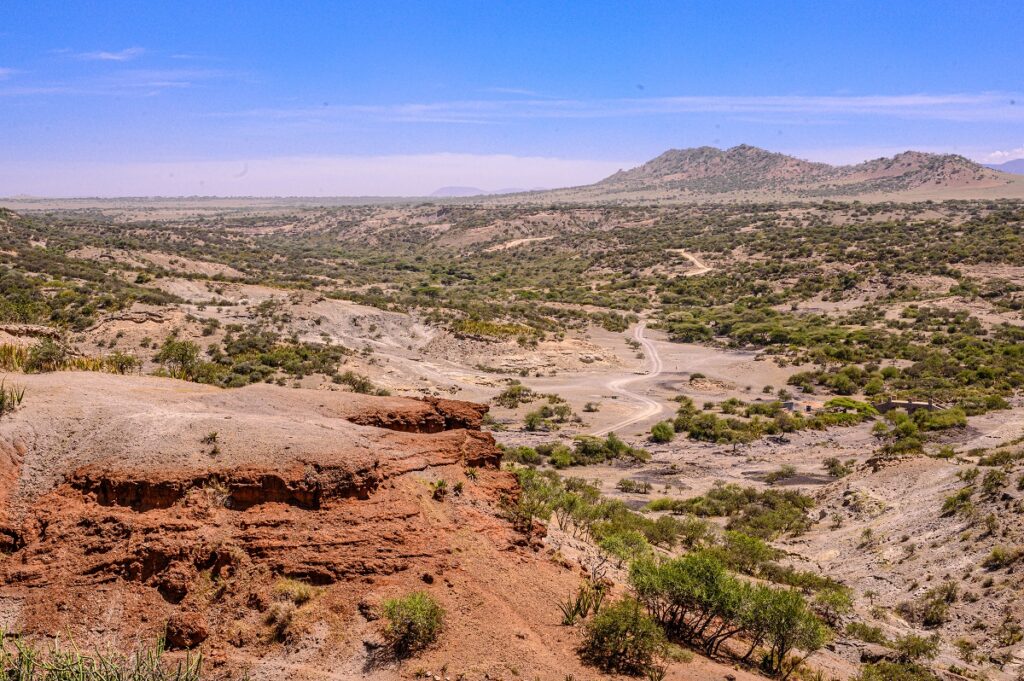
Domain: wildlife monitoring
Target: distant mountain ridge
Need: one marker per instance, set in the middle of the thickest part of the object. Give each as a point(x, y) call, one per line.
point(1015, 166)
point(454, 192)
point(744, 168)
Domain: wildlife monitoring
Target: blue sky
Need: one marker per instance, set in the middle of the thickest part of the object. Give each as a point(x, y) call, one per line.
point(322, 98)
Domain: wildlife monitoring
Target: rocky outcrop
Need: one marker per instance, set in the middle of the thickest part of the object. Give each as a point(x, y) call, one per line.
point(151, 492)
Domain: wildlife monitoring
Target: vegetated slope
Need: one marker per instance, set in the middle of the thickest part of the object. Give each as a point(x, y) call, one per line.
point(745, 172)
point(710, 170)
point(266, 526)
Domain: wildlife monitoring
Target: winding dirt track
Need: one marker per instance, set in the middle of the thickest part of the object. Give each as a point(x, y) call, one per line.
point(701, 268)
point(648, 406)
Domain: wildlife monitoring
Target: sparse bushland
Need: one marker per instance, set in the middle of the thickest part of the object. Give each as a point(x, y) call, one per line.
point(586, 450)
point(695, 598)
point(766, 514)
point(256, 356)
point(413, 622)
point(762, 418)
point(698, 601)
point(790, 256)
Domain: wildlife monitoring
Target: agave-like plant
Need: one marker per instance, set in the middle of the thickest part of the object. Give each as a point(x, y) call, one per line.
point(11, 396)
point(23, 661)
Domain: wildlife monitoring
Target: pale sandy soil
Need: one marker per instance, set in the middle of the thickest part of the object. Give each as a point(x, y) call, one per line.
point(175, 263)
point(516, 242)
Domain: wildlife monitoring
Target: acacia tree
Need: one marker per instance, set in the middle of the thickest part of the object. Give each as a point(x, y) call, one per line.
point(791, 625)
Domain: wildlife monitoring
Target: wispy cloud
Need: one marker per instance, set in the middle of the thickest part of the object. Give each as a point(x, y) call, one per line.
point(521, 92)
point(123, 82)
point(126, 54)
point(970, 107)
point(6, 73)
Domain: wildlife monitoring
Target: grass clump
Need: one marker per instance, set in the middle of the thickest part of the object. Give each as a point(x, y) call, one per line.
point(1002, 557)
point(11, 397)
point(294, 591)
point(23, 661)
point(413, 622)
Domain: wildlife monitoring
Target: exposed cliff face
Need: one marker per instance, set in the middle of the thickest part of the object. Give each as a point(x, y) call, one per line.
point(134, 503)
point(132, 508)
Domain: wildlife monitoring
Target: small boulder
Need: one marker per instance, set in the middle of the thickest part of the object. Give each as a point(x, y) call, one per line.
point(872, 652)
point(186, 630)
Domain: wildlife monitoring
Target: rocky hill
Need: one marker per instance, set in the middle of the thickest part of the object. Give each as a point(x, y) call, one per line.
point(749, 173)
point(711, 170)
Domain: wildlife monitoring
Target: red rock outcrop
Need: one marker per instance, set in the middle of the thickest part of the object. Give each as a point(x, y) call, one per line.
point(134, 508)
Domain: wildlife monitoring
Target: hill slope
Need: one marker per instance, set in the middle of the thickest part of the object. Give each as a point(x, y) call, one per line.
point(749, 173)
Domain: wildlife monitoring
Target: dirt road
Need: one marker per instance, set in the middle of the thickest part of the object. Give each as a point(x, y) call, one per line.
point(647, 406)
point(701, 268)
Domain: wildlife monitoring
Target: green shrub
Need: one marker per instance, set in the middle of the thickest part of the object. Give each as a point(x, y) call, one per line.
point(940, 420)
point(836, 468)
point(1001, 557)
point(626, 545)
point(867, 633)
point(46, 356)
point(914, 648)
point(687, 594)
point(413, 622)
point(895, 671)
point(931, 608)
point(359, 383)
point(663, 432)
point(524, 455)
point(784, 472)
point(514, 395)
point(633, 486)
point(958, 503)
point(623, 638)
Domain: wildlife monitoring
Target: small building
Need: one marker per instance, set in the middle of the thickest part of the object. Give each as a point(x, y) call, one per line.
point(909, 406)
